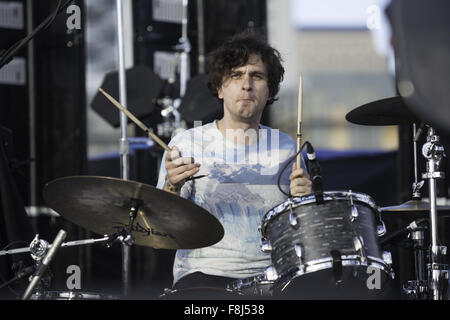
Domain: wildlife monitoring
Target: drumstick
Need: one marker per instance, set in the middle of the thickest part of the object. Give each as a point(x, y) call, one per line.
point(299, 117)
point(143, 127)
point(136, 120)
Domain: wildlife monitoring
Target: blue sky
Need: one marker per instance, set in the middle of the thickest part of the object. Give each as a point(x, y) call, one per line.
point(334, 13)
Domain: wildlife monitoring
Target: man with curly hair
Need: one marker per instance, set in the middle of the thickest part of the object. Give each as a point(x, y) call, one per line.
point(242, 160)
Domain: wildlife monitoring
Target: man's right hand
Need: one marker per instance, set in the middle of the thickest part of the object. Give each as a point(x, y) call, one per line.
point(178, 170)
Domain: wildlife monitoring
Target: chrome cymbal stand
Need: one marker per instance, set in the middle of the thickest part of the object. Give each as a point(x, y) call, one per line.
point(438, 272)
point(417, 288)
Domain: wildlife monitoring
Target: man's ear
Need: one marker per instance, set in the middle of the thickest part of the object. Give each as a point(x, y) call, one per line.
point(219, 93)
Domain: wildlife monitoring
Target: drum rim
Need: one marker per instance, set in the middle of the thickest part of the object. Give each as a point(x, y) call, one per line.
point(70, 294)
point(310, 198)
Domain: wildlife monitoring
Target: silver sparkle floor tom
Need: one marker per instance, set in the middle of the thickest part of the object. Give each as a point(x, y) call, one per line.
point(329, 250)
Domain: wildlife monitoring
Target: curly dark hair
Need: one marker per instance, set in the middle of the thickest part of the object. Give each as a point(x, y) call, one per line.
point(235, 53)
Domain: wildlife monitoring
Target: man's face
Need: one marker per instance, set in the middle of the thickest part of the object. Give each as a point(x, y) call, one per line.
point(245, 91)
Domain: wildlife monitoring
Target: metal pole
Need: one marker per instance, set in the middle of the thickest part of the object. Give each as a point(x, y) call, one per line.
point(124, 145)
point(434, 152)
point(32, 109)
point(431, 166)
point(186, 48)
point(416, 179)
point(201, 37)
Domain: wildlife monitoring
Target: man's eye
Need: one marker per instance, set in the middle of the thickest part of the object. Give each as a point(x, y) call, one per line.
point(235, 75)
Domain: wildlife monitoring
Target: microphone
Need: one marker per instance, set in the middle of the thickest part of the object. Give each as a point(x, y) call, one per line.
point(45, 263)
point(416, 224)
point(315, 173)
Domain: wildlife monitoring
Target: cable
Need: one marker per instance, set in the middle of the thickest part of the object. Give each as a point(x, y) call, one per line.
point(58, 7)
point(285, 166)
point(4, 59)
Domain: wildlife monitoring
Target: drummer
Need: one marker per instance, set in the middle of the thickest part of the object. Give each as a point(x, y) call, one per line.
point(241, 161)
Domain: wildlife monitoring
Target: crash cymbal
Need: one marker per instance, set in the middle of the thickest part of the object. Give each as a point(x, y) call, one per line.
point(163, 220)
point(416, 207)
point(385, 112)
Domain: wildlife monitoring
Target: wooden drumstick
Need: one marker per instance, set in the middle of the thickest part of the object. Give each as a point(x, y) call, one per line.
point(143, 127)
point(299, 117)
point(136, 120)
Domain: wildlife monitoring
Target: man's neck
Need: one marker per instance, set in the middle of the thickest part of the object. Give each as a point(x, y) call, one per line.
point(239, 132)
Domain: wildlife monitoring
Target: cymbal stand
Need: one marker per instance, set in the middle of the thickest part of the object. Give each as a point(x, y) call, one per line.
point(417, 288)
point(39, 247)
point(438, 273)
point(416, 195)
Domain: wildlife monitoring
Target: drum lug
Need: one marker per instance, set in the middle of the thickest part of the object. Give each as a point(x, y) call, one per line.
point(293, 220)
point(300, 254)
point(298, 250)
point(271, 273)
point(355, 212)
point(387, 258)
point(381, 229)
point(359, 246)
point(266, 246)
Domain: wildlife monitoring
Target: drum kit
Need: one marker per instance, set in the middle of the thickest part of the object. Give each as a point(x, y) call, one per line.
point(327, 249)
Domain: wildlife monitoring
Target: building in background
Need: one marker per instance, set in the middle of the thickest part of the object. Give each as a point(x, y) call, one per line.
point(336, 46)
point(334, 49)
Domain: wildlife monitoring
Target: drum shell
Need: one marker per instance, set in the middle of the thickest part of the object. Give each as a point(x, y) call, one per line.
point(303, 234)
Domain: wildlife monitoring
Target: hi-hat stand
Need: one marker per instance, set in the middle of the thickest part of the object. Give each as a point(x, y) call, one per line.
point(431, 280)
point(438, 271)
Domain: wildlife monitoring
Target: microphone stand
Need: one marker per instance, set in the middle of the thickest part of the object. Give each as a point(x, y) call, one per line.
point(44, 264)
point(38, 249)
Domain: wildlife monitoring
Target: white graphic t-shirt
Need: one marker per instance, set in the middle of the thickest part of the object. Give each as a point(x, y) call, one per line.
point(241, 186)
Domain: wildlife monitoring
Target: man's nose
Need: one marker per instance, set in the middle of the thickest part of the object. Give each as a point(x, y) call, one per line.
point(246, 82)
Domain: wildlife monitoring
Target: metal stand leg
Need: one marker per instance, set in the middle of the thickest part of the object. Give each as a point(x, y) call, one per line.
point(418, 288)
